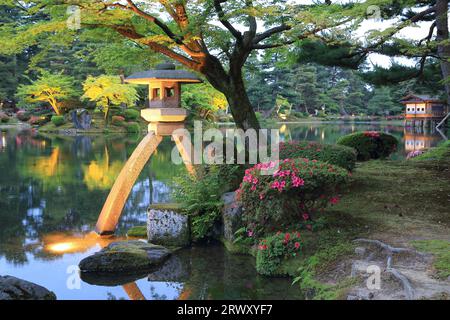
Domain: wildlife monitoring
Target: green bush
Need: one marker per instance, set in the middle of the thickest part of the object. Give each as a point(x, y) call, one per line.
point(118, 121)
point(296, 190)
point(4, 118)
point(231, 176)
point(342, 156)
point(58, 120)
point(131, 114)
point(274, 249)
point(133, 127)
point(200, 196)
point(370, 144)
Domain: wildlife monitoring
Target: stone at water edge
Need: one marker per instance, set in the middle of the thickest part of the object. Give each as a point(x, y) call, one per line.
point(167, 226)
point(126, 257)
point(12, 288)
point(232, 216)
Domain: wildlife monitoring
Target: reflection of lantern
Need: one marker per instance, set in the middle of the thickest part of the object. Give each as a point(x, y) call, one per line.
point(164, 84)
point(3, 142)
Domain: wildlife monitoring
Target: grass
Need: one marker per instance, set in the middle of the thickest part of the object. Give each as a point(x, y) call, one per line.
point(441, 251)
point(440, 153)
point(399, 197)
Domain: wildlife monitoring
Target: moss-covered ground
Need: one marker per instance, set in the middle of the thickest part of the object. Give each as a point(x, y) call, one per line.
point(403, 203)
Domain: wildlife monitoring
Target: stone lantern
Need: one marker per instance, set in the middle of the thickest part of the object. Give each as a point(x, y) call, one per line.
point(164, 84)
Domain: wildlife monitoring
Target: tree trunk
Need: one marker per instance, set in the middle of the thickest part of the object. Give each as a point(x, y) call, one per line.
point(232, 86)
point(443, 48)
point(242, 110)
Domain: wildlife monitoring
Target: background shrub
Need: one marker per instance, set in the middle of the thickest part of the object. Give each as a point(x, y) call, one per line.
point(58, 120)
point(293, 193)
point(370, 144)
point(23, 116)
point(131, 114)
point(274, 249)
point(4, 118)
point(133, 127)
point(342, 156)
point(118, 121)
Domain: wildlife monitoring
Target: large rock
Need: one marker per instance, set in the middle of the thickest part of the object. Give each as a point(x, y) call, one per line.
point(167, 226)
point(232, 216)
point(12, 288)
point(81, 119)
point(125, 257)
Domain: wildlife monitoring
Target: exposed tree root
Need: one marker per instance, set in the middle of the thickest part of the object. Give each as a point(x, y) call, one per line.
point(407, 287)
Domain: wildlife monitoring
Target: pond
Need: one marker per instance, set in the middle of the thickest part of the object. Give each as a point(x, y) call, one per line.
point(53, 188)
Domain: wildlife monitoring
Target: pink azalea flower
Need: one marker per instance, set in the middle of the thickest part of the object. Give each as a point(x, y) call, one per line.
point(334, 200)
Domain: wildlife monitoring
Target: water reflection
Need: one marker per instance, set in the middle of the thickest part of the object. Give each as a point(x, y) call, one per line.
point(58, 184)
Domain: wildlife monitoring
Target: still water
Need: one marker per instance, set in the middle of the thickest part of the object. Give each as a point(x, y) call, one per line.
point(53, 187)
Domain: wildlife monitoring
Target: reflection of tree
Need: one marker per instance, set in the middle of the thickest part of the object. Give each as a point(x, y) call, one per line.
point(100, 173)
point(53, 170)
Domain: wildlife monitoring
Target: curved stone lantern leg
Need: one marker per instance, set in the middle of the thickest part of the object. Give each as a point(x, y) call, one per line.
point(112, 209)
point(186, 154)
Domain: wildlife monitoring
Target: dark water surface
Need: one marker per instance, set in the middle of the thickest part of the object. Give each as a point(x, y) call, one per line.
point(52, 189)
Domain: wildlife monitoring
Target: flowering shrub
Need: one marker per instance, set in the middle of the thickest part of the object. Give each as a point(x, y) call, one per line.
point(274, 249)
point(118, 120)
point(296, 190)
point(370, 144)
point(34, 120)
point(342, 156)
point(414, 154)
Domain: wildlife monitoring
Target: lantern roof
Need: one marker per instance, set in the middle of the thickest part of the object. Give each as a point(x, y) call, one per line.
point(163, 72)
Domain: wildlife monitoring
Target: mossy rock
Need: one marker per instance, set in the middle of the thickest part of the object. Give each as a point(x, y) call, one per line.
point(166, 206)
point(125, 257)
point(137, 232)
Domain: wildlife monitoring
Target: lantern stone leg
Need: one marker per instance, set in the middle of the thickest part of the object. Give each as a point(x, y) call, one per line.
point(112, 209)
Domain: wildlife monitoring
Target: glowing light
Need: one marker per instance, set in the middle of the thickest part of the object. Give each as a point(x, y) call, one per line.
point(61, 247)
point(65, 243)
